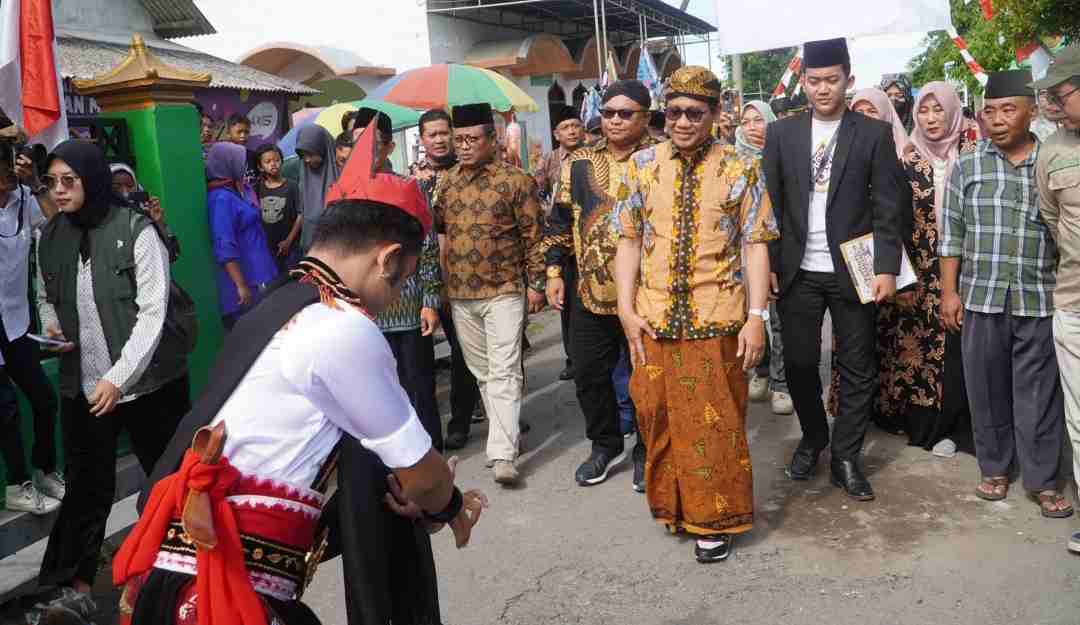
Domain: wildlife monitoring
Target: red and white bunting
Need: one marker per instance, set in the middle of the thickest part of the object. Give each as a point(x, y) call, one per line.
point(793, 69)
point(973, 65)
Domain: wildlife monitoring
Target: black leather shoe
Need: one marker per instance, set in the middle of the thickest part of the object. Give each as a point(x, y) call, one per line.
point(456, 440)
point(803, 463)
point(566, 374)
point(714, 554)
point(846, 474)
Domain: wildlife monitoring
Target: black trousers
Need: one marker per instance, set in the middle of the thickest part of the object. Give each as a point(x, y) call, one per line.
point(90, 455)
point(23, 366)
point(597, 342)
point(802, 310)
point(464, 392)
point(1013, 383)
point(415, 355)
point(567, 313)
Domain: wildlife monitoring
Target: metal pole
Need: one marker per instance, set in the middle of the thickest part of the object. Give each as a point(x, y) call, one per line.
point(736, 73)
point(709, 52)
point(603, 17)
point(599, 54)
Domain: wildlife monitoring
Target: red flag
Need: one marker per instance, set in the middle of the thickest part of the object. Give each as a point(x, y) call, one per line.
point(987, 9)
point(41, 95)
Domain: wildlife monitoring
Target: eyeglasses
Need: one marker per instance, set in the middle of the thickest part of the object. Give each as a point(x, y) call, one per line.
point(624, 114)
point(1059, 100)
point(468, 140)
point(673, 114)
point(67, 180)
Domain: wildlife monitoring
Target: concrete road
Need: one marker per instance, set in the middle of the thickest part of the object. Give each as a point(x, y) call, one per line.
point(926, 551)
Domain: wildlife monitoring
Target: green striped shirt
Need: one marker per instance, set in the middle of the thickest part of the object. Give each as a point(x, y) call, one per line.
point(992, 223)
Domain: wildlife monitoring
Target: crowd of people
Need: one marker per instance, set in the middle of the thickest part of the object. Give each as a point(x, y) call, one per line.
point(692, 254)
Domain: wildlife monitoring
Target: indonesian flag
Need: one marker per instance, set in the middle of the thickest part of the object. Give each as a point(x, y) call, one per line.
point(987, 9)
point(33, 90)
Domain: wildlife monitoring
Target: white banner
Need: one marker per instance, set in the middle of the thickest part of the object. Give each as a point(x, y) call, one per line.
point(753, 25)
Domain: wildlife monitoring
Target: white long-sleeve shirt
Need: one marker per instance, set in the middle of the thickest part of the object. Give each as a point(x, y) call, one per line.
point(327, 371)
point(151, 298)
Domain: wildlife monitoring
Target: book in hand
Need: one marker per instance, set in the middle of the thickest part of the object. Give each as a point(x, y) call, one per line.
point(859, 257)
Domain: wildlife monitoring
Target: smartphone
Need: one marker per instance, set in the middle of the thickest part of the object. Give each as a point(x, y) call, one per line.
point(139, 198)
point(48, 342)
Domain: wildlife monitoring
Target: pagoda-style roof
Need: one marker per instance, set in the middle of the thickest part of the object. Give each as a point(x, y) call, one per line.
point(142, 69)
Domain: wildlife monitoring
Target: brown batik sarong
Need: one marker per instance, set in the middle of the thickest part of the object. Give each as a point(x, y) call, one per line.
point(691, 405)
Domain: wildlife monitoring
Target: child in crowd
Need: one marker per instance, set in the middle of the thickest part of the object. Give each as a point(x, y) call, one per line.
point(343, 147)
point(279, 203)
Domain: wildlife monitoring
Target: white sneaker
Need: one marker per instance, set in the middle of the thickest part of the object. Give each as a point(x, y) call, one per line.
point(781, 403)
point(945, 448)
point(26, 498)
point(52, 485)
point(759, 388)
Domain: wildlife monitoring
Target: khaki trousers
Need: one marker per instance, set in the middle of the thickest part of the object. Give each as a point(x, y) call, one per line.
point(1067, 342)
point(490, 334)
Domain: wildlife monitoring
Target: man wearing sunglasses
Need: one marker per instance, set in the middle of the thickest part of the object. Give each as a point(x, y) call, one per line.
point(689, 210)
point(832, 176)
point(1057, 173)
point(490, 213)
point(580, 227)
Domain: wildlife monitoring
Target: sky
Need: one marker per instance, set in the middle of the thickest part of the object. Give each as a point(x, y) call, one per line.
point(243, 25)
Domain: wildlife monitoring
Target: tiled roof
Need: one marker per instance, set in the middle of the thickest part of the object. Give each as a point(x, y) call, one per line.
point(83, 58)
point(177, 18)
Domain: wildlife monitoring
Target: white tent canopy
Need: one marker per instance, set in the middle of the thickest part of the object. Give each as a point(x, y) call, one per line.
point(754, 25)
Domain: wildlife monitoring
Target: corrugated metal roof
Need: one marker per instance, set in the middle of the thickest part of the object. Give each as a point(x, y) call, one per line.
point(83, 58)
point(178, 18)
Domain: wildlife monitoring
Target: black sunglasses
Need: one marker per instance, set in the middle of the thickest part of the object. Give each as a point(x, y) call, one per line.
point(672, 114)
point(68, 180)
point(624, 114)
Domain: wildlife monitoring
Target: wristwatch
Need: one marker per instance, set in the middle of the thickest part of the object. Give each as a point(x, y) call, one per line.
point(554, 271)
point(760, 312)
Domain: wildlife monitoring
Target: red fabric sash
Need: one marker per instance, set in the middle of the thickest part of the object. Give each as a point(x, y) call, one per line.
point(222, 584)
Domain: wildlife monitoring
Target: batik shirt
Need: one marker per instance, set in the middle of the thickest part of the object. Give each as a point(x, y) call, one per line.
point(693, 215)
point(492, 221)
point(581, 223)
point(992, 223)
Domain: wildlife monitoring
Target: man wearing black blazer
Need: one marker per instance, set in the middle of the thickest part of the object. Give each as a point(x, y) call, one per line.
point(831, 175)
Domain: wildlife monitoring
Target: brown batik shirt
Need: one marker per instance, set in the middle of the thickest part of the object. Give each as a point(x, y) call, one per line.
point(492, 221)
point(580, 224)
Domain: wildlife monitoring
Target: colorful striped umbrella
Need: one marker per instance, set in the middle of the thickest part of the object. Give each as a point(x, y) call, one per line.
point(448, 85)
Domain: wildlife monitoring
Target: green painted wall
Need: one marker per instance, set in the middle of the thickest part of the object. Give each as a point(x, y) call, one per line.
point(168, 162)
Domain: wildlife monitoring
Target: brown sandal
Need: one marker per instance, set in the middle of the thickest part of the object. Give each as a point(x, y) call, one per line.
point(1050, 505)
point(998, 488)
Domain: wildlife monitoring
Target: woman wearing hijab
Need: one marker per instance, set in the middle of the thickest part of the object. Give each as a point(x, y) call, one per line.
point(874, 103)
point(125, 186)
point(769, 376)
point(245, 266)
point(922, 381)
point(898, 88)
point(106, 285)
point(319, 170)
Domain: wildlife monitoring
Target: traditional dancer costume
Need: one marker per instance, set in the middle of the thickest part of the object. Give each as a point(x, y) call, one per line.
point(233, 536)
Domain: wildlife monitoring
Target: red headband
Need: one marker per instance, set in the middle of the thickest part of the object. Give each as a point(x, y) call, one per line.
point(361, 180)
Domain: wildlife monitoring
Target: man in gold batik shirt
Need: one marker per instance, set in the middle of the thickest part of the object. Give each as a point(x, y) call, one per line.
point(689, 210)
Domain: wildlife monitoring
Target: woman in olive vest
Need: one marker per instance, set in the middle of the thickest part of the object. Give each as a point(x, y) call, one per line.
point(105, 274)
